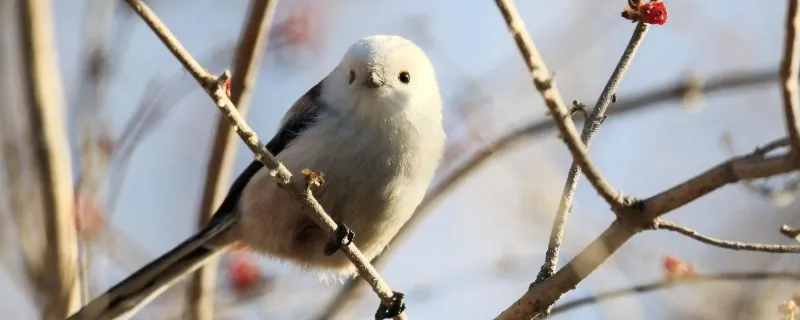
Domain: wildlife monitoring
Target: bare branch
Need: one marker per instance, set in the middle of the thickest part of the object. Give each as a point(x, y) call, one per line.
point(535, 301)
point(590, 128)
point(581, 160)
point(552, 98)
point(247, 63)
point(727, 244)
point(672, 282)
point(790, 66)
point(791, 232)
point(752, 166)
point(51, 156)
point(213, 87)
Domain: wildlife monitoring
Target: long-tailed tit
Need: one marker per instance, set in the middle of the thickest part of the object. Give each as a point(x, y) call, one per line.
point(373, 126)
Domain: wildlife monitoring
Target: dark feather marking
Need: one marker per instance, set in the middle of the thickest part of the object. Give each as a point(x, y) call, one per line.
point(132, 291)
point(304, 111)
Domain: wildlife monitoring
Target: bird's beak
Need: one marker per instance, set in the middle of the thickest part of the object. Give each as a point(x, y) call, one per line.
point(374, 81)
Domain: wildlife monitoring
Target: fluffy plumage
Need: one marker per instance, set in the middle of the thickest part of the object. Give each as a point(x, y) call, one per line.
point(378, 148)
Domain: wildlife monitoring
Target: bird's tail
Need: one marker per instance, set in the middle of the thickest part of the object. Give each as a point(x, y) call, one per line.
point(138, 289)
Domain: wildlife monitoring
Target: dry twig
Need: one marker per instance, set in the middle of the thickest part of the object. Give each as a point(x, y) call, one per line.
point(247, 62)
point(556, 107)
point(669, 283)
point(790, 66)
point(552, 98)
point(51, 157)
point(534, 302)
point(593, 123)
point(633, 217)
point(727, 244)
point(213, 87)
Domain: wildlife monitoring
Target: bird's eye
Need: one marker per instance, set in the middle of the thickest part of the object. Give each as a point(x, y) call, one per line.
point(404, 77)
point(352, 77)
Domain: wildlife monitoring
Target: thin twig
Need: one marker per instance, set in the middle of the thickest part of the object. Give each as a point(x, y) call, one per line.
point(791, 232)
point(669, 283)
point(51, 156)
point(727, 244)
point(581, 158)
point(23, 195)
point(213, 87)
point(552, 98)
point(247, 63)
point(790, 66)
point(534, 303)
point(593, 124)
point(353, 288)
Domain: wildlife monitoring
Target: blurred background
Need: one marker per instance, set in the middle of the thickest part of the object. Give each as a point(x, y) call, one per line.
point(702, 88)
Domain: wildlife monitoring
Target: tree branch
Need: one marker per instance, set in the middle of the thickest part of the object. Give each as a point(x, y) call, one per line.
point(669, 283)
point(791, 232)
point(535, 301)
point(212, 86)
point(564, 122)
point(749, 167)
point(727, 244)
point(51, 156)
point(593, 123)
point(247, 63)
point(552, 98)
point(789, 75)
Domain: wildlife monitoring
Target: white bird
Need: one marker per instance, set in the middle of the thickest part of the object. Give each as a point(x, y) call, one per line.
point(372, 126)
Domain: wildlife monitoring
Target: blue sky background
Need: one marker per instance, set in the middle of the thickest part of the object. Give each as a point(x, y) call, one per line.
point(482, 245)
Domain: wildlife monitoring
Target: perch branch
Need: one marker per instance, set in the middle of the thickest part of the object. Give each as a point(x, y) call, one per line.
point(669, 283)
point(44, 111)
point(212, 86)
point(727, 244)
point(246, 65)
point(789, 74)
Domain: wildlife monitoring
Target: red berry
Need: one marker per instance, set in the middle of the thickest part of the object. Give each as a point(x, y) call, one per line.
point(106, 144)
point(653, 12)
point(677, 268)
point(243, 273)
point(298, 28)
point(88, 216)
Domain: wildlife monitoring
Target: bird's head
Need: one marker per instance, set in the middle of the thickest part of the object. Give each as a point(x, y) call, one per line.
point(385, 70)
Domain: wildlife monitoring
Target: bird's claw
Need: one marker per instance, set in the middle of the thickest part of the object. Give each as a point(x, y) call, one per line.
point(395, 308)
point(343, 236)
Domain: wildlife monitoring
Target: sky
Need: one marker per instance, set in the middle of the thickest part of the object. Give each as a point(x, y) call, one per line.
point(457, 263)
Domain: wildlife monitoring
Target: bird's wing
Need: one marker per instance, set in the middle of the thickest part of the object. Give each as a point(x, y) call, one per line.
point(304, 111)
point(297, 119)
point(149, 281)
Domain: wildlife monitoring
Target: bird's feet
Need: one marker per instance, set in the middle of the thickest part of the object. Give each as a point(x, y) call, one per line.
point(343, 236)
point(395, 307)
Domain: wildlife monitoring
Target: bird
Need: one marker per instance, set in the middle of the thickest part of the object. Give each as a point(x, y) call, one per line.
point(373, 126)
